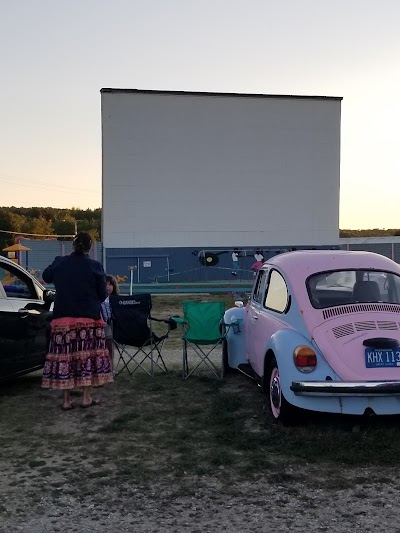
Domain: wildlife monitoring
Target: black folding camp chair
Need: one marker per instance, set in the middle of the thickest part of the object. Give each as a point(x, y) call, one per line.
point(133, 336)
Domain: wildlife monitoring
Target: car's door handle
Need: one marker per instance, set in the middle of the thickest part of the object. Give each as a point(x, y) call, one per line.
point(26, 312)
point(255, 317)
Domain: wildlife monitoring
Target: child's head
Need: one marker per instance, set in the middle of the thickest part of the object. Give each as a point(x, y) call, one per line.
point(112, 285)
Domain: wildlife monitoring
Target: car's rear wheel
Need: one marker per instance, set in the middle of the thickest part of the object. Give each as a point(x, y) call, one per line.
point(279, 407)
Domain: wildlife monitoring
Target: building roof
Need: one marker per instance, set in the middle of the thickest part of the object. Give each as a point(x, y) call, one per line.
point(201, 93)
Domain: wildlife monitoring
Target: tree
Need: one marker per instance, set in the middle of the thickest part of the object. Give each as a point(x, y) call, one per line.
point(64, 224)
point(9, 222)
point(39, 226)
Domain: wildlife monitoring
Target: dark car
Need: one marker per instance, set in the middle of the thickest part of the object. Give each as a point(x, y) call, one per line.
point(25, 315)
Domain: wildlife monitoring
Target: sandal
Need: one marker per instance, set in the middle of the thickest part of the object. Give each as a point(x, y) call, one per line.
point(93, 402)
point(68, 407)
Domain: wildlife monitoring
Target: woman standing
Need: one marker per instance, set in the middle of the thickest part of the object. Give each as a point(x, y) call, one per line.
point(78, 356)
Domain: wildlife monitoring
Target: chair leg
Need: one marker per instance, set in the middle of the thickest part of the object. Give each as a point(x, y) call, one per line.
point(156, 346)
point(131, 362)
point(151, 359)
point(159, 362)
point(121, 359)
point(185, 366)
point(204, 359)
point(131, 359)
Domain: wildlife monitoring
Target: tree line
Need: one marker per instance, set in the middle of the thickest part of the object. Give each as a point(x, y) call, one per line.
point(47, 221)
point(54, 221)
point(376, 232)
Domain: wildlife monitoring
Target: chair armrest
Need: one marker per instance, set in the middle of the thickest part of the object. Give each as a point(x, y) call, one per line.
point(165, 320)
point(178, 320)
point(171, 321)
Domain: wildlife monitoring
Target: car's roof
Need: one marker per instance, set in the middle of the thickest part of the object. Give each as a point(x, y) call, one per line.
point(303, 263)
point(12, 263)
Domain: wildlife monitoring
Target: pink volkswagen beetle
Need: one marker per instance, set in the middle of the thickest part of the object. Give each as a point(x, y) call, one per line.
point(321, 332)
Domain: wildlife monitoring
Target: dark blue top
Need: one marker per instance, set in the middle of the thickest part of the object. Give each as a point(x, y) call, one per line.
point(80, 284)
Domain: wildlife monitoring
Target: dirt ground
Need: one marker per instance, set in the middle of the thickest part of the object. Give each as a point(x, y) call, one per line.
point(59, 471)
point(207, 506)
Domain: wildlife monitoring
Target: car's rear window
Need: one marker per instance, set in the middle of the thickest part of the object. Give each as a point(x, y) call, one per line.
point(341, 287)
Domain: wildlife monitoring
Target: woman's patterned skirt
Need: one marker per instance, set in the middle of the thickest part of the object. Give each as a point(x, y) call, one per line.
point(78, 356)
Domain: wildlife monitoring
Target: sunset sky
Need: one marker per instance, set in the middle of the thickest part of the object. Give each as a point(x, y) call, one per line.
point(56, 56)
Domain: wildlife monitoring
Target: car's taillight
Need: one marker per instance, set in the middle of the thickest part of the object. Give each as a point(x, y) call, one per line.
point(305, 358)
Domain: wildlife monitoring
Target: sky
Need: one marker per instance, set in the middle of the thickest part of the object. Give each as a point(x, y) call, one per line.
point(56, 55)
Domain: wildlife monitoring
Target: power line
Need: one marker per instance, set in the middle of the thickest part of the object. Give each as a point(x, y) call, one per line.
point(33, 234)
point(44, 185)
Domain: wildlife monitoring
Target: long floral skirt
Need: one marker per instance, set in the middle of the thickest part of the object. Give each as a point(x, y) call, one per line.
point(78, 356)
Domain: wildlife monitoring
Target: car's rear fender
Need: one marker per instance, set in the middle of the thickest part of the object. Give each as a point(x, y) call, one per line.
point(281, 346)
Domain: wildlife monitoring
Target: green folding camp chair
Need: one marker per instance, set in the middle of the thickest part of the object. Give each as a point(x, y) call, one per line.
point(203, 325)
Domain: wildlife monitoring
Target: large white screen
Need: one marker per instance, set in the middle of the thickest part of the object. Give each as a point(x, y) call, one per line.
point(199, 169)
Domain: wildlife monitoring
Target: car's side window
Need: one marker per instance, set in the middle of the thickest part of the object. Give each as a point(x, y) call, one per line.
point(259, 286)
point(277, 293)
point(16, 285)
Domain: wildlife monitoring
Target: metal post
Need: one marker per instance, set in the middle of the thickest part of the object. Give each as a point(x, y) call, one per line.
point(131, 285)
point(104, 258)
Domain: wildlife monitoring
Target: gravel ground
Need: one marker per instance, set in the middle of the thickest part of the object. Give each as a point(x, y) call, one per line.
point(211, 507)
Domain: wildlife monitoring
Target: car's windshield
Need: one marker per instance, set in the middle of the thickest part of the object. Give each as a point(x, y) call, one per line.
point(328, 289)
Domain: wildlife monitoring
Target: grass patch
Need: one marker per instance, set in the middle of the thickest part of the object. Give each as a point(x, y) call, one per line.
point(120, 423)
point(203, 428)
point(34, 463)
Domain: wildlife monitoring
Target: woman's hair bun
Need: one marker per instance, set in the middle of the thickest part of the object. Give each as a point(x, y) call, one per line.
point(82, 242)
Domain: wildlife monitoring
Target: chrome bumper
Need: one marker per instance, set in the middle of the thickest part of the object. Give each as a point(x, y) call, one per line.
point(340, 388)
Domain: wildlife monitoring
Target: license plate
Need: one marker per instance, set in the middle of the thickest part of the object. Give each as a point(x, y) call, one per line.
point(381, 358)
